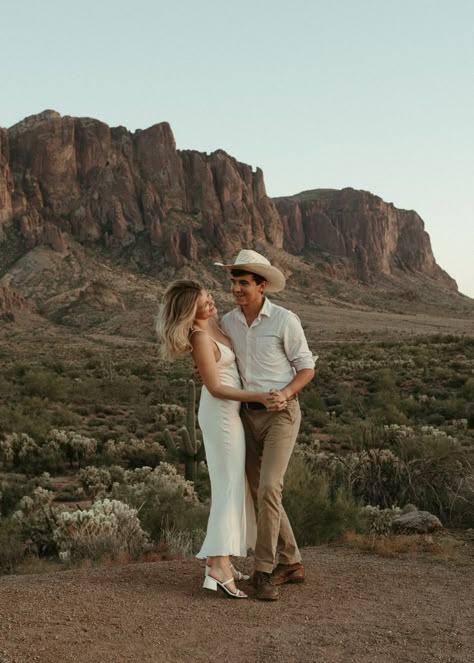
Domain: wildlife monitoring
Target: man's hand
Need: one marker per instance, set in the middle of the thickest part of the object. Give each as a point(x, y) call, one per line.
point(276, 401)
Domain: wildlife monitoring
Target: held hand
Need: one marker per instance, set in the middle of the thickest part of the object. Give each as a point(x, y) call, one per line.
point(278, 397)
point(273, 400)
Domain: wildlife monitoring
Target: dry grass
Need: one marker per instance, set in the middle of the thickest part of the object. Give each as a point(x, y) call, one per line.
point(33, 565)
point(440, 547)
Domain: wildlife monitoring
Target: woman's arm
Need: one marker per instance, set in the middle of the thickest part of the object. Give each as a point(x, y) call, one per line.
point(205, 360)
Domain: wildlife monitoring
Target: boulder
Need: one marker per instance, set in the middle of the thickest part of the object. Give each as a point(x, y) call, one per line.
point(417, 522)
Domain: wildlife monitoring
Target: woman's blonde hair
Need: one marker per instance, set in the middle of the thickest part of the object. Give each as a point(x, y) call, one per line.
point(176, 316)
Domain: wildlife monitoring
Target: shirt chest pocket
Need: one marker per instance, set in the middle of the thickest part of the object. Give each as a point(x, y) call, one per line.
point(269, 348)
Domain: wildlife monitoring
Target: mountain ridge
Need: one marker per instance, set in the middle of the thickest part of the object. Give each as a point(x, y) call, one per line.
point(75, 192)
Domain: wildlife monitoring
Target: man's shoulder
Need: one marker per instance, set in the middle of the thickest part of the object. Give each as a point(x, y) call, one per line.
point(229, 318)
point(229, 315)
point(281, 312)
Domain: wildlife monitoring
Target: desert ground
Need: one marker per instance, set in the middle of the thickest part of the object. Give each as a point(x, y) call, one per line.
point(354, 608)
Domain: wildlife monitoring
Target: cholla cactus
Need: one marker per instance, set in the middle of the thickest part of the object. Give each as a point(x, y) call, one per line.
point(15, 447)
point(37, 518)
point(109, 527)
point(160, 490)
point(379, 521)
point(96, 481)
point(190, 447)
point(75, 447)
point(169, 413)
point(134, 452)
point(163, 481)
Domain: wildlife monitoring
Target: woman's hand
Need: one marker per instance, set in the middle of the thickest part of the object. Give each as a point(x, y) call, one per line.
point(273, 400)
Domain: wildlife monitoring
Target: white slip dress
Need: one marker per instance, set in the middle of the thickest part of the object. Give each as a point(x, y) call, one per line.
point(232, 527)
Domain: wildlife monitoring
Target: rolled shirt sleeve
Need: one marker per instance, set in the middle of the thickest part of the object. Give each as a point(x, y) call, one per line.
point(296, 346)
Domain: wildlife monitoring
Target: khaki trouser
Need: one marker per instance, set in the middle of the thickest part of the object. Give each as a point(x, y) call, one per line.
point(270, 438)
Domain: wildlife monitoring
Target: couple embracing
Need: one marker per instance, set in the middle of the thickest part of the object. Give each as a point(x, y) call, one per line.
point(252, 365)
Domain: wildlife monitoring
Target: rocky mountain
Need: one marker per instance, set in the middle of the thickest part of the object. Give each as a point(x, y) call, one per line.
point(133, 193)
point(79, 199)
point(372, 236)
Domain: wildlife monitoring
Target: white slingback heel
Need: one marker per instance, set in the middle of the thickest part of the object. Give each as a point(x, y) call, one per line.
point(212, 584)
point(238, 575)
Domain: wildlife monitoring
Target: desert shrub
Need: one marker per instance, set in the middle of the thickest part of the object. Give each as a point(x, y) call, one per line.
point(366, 434)
point(44, 384)
point(20, 452)
point(72, 446)
point(182, 542)
point(202, 484)
point(11, 493)
point(468, 390)
point(71, 493)
point(108, 528)
point(17, 450)
point(379, 521)
point(98, 481)
point(161, 495)
point(425, 467)
point(140, 453)
point(436, 419)
point(12, 547)
point(13, 488)
point(124, 389)
point(316, 514)
point(169, 414)
point(133, 452)
point(36, 519)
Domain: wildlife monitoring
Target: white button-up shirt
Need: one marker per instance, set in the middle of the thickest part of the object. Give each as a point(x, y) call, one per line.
point(272, 350)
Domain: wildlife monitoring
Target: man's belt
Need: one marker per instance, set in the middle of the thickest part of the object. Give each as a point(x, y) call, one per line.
point(251, 405)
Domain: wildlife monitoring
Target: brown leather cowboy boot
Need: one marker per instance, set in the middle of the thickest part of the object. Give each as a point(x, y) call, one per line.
point(291, 573)
point(266, 590)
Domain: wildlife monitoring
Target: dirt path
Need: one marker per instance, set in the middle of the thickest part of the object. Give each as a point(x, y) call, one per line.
point(354, 608)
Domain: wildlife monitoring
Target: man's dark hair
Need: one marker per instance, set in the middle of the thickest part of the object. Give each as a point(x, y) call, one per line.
point(241, 272)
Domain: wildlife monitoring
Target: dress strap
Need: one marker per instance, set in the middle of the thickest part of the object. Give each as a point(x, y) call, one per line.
point(193, 329)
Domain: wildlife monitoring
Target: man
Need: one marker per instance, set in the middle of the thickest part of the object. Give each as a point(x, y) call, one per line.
point(272, 354)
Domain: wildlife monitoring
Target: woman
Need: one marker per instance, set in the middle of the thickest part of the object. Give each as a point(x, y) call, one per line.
point(186, 324)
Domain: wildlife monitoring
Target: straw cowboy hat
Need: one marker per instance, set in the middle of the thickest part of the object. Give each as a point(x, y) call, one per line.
point(251, 261)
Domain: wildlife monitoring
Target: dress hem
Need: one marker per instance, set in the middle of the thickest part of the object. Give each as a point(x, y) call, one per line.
point(202, 555)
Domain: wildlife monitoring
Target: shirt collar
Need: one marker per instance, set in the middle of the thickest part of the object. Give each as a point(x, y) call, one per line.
point(266, 310)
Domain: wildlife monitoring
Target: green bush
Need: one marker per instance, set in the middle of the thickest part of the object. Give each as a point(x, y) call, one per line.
point(316, 515)
point(162, 496)
point(183, 542)
point(12, 546)
point(37, 519)
point(44, 384)
point(425, 466)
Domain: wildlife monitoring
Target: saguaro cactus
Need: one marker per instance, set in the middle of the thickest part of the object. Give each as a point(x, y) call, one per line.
point(190, 448)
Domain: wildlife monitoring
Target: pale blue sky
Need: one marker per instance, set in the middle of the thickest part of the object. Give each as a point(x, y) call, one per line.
point(373, 94)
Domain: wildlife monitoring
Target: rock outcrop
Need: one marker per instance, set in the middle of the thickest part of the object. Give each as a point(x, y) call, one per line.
point(132, 191)
point(140, 199)
point(373, 236)
point(11, 302)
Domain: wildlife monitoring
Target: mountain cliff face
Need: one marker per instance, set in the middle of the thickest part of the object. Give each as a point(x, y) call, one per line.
point(99, 184)
point(373, 236)
point(137, 197)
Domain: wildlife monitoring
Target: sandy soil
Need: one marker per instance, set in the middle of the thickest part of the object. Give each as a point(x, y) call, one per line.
point(354, 608)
